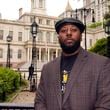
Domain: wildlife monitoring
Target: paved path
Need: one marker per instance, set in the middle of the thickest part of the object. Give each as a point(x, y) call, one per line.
point(24, 97)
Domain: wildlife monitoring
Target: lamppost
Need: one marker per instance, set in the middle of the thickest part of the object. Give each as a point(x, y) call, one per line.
point(107, 31)
point(34, 28)
point(85, 12)
point(9, 39)
point(34, 31)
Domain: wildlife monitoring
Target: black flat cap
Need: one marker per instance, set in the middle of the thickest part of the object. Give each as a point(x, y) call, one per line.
point(73, 21)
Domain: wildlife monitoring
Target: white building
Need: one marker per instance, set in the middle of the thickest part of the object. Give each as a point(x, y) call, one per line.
point(47, 42)
point(100, 7)
point(21, 45)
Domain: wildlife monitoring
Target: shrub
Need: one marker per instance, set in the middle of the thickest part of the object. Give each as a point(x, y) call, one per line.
point(9, 82)
point(95, 25)
point(100, 47)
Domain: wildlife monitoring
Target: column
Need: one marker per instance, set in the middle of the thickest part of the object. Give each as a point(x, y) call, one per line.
point(48, 54)
point(45, 54)
point(56, 52)
point(40, 54)
point(28, 55)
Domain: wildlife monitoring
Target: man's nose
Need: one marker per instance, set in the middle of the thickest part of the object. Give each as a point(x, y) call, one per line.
point(68, 31)
point(69, 34)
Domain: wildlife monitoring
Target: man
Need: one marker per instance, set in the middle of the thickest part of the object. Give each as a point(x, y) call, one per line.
point(77, 80)
point(31, 71)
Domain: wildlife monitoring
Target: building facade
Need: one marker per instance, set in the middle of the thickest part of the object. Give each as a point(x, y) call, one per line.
point(46, 41)
point(100, 7)
point(21, 45)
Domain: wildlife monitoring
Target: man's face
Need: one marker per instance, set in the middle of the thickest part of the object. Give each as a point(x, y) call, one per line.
point(69, 38)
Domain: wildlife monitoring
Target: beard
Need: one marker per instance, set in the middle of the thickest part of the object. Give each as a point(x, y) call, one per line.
point(69, 49)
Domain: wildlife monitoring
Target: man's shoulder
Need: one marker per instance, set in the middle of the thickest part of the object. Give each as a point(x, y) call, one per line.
point(96, 57)
point(93, 56)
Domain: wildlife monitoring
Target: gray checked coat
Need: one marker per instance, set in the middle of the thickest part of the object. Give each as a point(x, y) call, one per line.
point(88, 87)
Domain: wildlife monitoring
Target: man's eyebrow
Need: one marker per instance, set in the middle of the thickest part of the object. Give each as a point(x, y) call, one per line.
point(64, 27)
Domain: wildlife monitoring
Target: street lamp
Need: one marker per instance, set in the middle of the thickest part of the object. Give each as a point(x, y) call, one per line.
point(34, 31)
point(107, 31)
point(85, 12)
point(9, 39)
point(34, 28)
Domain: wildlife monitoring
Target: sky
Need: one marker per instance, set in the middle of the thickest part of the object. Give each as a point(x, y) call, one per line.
point(9, 9)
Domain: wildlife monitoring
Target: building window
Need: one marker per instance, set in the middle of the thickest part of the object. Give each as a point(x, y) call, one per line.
point(48, 37)
point(11, 53)
point(41, 3)
point(55, 22)
point(31, 19)
point(34, 3)
point(11, 34)
point(1, 53)
point(37, 54)
point(19, 54)
point(40, 21)
point(90, 41)
point(40, 36)
point(54, 54)
point(19, 36)
point(55, 39)
point(48, 22)
point(30, 36)
point(1, 34)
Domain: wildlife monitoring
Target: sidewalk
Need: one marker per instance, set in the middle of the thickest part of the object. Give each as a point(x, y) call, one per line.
point(24, 97)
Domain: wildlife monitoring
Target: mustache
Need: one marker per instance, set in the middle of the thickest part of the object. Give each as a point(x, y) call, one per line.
point(73, 40)
point(69, 35)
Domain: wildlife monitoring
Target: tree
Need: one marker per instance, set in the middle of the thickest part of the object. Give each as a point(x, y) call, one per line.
point(106, 19)
point(107, 16)
point(100, 47)
point(9, 82)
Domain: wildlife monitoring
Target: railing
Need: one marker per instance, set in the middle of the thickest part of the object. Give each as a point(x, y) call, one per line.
point(13, 106)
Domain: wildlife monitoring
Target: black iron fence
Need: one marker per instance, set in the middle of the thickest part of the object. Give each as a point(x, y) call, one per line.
point(13, 106)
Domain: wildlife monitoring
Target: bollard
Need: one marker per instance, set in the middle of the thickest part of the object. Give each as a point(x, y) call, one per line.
point(24, 76)
point(3, 96)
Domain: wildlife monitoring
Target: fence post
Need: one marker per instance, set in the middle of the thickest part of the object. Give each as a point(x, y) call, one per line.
point(3, 95)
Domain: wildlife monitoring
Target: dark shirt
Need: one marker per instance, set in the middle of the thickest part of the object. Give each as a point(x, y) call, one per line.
point(65, 68)
point(67, 62)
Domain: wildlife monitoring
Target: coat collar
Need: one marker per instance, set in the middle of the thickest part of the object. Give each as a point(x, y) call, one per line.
point(75, 72)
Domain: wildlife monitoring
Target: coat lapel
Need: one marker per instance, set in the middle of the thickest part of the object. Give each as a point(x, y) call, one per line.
point(76, 70)
point(57, 81)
